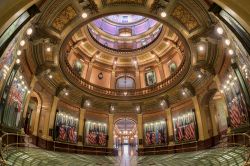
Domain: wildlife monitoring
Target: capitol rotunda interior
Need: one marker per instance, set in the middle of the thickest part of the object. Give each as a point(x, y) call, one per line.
point(125, 82)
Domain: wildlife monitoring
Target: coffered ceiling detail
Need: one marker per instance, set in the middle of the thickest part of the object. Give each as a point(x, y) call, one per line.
point(64, 18)
point(185, 17)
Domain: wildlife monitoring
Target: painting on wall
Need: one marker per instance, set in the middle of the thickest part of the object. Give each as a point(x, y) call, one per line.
point(155, 133)
point(78, 66)
point(95, 133)
point(15, 103)
point(150, 77)
point(66, 127)
point(172, 67)
point(185, 127)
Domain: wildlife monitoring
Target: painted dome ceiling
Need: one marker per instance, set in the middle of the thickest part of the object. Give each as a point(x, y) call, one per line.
point(124, 32)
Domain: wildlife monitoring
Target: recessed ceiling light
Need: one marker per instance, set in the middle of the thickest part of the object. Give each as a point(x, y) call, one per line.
point(29, 31)
point(84, 15)
point(18, 61)
point(163, 14)
point(50, 76)
point(66, 93)
point(22, 43)
point(48, 49)
point(227, 42)
point(201, 48)
point(199, 76)
point(19, 52)
point(219, 30)
point(230, 52)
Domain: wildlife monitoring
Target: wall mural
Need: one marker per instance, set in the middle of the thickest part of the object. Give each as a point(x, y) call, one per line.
point(15, 103)
point(155, 133)
point(236, 103)
point(185, 127)
point(78, 66)
point(95, 133)
point(66, 127)
point(150, 77)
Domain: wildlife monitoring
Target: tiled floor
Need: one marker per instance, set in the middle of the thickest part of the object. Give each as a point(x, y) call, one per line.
point(34, 157)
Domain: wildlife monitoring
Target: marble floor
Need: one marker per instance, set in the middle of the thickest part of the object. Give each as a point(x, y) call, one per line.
point(127, 157)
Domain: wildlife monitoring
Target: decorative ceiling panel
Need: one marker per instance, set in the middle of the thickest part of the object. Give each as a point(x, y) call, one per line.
point(185, 17)
point(64, 18)
point(89, 48)
point(117, 2)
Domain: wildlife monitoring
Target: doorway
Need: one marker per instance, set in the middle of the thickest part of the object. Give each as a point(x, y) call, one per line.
point(125, 137)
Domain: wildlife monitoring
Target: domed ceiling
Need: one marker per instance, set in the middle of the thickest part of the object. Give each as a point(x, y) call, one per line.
point(124, 32)
point(113, 41)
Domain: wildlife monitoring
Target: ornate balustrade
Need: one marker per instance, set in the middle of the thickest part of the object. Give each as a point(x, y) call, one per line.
point(153, 90)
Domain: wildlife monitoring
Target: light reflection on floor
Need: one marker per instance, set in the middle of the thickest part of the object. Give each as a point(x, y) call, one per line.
point(126, 152)
point(231, 156)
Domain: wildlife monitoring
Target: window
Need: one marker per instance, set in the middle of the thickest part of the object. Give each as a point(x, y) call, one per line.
point(125, 82)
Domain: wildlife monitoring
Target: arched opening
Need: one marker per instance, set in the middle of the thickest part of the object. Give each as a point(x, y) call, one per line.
point(125, 136)
point(33, 114)
point(125, 82)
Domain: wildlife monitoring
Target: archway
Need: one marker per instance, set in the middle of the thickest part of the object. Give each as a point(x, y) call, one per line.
point(33, 114)
point(125, 136)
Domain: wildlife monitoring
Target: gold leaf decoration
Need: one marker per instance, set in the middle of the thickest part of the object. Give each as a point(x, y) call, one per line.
point(185, 17)
point(63, 18)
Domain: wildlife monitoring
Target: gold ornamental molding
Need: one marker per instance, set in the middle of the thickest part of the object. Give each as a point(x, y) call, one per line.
point(60, 22)
point(181, 14)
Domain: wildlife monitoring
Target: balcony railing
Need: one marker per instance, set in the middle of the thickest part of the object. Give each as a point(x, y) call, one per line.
point(91, 88)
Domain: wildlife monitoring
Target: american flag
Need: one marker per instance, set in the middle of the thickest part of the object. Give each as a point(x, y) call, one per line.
point(102, 139)
point(148, 142)
point(92, 138)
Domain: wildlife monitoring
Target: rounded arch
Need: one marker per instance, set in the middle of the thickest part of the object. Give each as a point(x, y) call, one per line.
point(37, 112)
point(120, 79)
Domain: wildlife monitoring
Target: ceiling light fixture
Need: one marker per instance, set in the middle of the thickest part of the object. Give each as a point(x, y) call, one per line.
point(19, 52)
point(201, 48)
point(22, 43)
point(220, 31)
point(230, 52)
point(29, 31)
point(84, 15)
point(227, 42)
point(50, 76)
point(18, 61)
point(48, 49)
point(163, 14)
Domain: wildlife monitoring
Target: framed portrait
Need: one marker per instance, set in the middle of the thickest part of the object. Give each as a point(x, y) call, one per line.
point(172, 67)
point(150, 77)
point(78, 66)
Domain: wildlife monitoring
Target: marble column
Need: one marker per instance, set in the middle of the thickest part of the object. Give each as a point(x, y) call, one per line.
point(212, 110)
point(218, 83)
point(37, 117)
point(201, 119)
point(52, 116)
point(110, 131)
point(161, 70)
point(113, 81)
point(88, 75)
point(81, 125)
point(140, 132)
point(137, 79)
point(170, 129)
point(32, 85)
